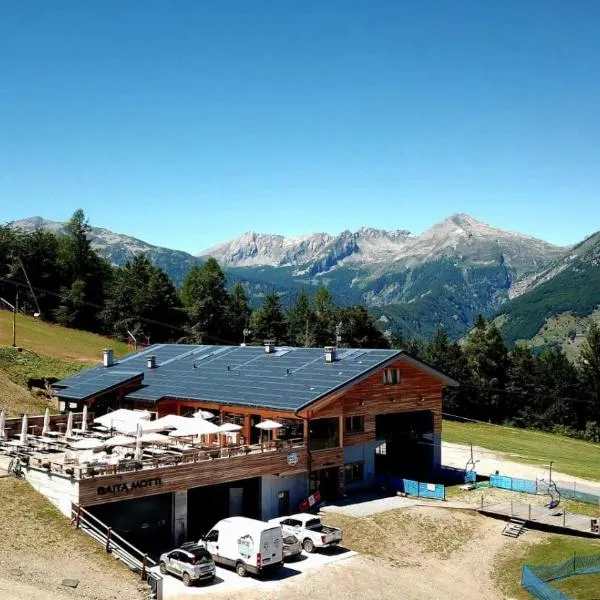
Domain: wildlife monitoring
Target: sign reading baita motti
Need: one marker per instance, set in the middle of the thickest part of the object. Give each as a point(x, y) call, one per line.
point(120, 488)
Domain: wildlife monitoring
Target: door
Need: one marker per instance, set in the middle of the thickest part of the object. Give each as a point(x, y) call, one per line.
point(284, 503)
point(236, 501)
point(175, 565)
point(254, 432)
point(212, 543)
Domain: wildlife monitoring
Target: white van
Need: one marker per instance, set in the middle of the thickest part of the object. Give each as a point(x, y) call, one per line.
point(248, 545)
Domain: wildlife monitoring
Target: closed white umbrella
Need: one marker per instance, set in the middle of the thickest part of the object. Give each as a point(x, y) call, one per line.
point(87, 444)
point(84, 419)
point(46, 425)
point(139, 452)
point(69, 430)
point(23, 437)
point(2, 422)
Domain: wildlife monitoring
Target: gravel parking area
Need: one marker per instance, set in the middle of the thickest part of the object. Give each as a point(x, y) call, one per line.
point(228, 583)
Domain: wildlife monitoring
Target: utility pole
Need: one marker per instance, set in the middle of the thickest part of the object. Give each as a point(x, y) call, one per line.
point(15, 309)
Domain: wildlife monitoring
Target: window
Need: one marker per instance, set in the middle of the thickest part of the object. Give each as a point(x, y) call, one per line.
point(391, 376)
point(212, 536)
point(324, 433)
point(235, 418)
point(291, 429)
point(354, 472)
point(354, 424)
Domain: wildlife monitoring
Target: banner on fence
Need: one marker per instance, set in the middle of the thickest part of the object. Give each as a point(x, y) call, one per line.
point(410, 487)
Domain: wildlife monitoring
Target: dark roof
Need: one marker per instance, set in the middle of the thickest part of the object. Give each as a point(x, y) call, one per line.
point(287, 379)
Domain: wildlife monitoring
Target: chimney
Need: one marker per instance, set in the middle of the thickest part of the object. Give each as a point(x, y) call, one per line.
point(108, 357)
point(269, 346)
point(151, 362)
point(330, 354)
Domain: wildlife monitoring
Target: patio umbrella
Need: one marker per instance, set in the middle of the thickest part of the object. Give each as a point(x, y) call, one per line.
point(268, 425)
point(131, 428)
point(195, 427)
point(87, 444)
point(203, 414)
point(69, 430)
point(139, 452)
point(123, 415)
point(84, 419)
point(172, 422)
point(2, 422)
point(226, 428)
point(155, 438)
point(120, 440)
point(46, 425)
point(23, 437)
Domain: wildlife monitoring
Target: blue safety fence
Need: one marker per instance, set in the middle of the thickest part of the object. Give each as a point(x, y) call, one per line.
point(411, 487)
point(535, 578)
point(574, 490)
point(526, 486)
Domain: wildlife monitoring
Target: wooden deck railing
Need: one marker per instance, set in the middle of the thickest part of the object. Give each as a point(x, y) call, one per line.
point(171, 457)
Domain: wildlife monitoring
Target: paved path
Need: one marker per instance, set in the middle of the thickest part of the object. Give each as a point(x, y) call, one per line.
point(367, 506)
point(456, 455)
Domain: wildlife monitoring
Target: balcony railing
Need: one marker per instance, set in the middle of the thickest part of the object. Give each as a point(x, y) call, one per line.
point(154, 457)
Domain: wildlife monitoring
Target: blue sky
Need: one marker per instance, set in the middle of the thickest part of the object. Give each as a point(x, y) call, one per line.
point(187, 123)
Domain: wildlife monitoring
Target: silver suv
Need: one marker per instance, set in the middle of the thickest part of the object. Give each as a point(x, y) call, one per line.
point(191, 563)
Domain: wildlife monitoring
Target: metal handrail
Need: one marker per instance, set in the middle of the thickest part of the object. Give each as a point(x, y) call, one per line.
point(81, 515)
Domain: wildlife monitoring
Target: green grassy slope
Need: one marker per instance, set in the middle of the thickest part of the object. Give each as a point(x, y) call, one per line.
point(45, 350)
point(56, 341)
point(570, 456)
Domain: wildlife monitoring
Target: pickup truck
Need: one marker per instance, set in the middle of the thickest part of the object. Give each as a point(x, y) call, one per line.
point(310, 531)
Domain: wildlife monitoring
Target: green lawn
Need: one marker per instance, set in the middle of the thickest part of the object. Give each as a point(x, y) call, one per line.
point(46, 350)
point(56, 341)
point(557, 548)
point(571, 456)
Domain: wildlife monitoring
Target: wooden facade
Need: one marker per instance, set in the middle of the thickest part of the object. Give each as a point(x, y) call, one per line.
point(147, 482)
point(402, 386)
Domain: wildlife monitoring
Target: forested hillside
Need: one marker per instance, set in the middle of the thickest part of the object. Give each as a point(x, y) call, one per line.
point(63, 279)
point(570, 285)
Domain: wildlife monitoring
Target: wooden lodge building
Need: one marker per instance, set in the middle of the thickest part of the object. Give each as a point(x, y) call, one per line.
point(346, 415)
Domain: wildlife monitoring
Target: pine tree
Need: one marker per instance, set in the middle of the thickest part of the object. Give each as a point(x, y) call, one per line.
point(487, 359)
point(205, 298)
point(143, 300)
point(301, 322)
point(85, 274)
point(325, 318)
point(358, 330)
point(268, 321)
point(239, 313)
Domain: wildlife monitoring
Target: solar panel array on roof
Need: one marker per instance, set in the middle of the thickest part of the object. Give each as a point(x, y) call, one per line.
point(287, 379)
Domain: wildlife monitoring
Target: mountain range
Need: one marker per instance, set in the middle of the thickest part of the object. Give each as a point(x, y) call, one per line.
point(416, 283)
